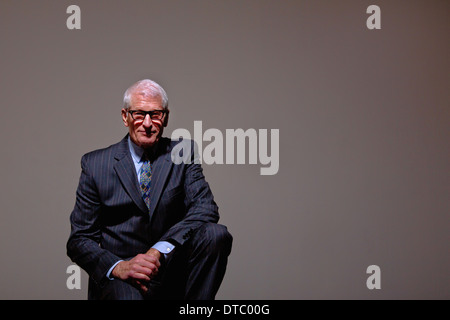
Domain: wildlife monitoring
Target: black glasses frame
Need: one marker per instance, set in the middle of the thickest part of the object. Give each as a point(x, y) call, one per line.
point(152, 114)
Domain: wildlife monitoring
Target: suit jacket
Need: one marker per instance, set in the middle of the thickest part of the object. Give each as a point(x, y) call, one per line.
point(110, 220)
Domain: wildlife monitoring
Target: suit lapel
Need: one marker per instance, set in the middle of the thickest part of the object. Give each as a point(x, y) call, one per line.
point(161, 167)
point(125, 170)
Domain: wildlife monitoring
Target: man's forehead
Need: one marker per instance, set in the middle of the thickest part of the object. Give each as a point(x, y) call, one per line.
point(145, 97)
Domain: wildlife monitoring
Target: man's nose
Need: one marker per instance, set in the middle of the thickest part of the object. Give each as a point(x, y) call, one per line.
point(147, 121)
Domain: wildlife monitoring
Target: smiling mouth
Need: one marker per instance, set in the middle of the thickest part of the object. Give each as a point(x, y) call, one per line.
point(148, 133)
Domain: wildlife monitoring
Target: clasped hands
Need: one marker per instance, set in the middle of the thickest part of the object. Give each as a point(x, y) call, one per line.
point(139, 270)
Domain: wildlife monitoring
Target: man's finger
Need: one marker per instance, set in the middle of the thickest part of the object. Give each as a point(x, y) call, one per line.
point(146, 262)
point(141, 286)
point(145, 259)
point(140, 276)
point(150, 258)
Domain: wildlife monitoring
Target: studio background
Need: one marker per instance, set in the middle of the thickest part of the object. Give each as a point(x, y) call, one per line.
point(363, 117)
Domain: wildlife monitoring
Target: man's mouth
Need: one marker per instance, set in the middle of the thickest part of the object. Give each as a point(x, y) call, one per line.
point(148, 133)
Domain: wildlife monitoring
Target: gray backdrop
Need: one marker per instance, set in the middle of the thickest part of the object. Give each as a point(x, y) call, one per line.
point(363, 118)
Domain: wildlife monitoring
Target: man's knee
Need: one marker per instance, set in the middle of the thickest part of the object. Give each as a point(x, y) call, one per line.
point(216, 237)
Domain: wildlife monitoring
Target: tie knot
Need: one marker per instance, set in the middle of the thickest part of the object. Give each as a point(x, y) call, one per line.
point(147, 155)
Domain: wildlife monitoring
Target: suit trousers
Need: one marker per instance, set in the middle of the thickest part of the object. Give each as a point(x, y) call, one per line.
point(193, 272)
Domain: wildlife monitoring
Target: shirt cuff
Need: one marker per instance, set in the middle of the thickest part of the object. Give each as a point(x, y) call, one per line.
point(108, 274)
point(166, 248)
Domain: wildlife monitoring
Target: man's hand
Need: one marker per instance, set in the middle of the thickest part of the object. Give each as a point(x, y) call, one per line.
point(139, 270)
point(154, 253)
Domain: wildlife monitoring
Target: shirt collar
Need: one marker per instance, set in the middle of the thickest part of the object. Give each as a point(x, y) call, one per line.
point(135, 150)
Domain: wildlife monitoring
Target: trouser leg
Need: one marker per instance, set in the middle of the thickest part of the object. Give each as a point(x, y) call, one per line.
point(114, 290)
point(210, 248)
point(196, 270)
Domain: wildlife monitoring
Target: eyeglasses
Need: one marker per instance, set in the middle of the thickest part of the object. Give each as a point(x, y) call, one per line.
point(139, 115)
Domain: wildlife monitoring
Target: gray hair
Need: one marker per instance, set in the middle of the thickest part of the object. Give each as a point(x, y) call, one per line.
point(146, 87)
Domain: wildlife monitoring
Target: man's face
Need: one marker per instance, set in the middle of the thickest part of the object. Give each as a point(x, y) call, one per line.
point(147, 132)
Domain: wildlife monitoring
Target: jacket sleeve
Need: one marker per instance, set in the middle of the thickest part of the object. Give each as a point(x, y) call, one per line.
point(199, 201)
point(83, 245)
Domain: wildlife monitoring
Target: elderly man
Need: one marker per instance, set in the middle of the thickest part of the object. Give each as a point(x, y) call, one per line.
point(142, 226)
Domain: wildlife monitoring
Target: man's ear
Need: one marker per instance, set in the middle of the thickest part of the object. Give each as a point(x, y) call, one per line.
point(125, 117)
point(166, 119)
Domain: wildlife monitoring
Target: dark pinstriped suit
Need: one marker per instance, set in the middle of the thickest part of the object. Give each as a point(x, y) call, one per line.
point(110, 220)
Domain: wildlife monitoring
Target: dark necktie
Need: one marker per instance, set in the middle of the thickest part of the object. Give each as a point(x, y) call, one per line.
point(145, 179)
